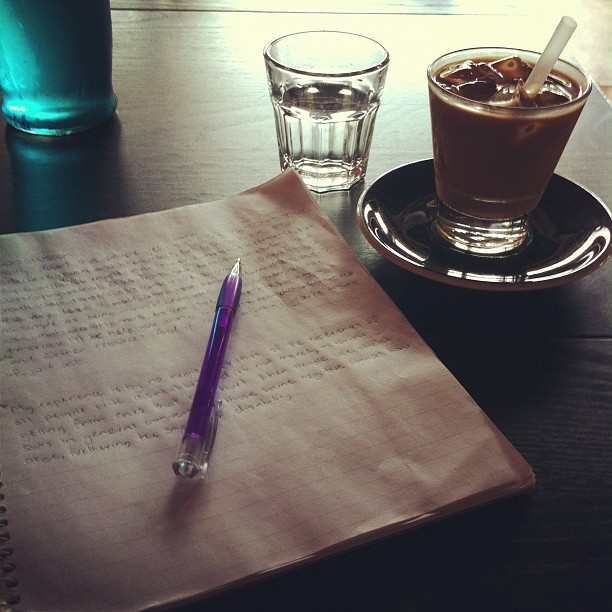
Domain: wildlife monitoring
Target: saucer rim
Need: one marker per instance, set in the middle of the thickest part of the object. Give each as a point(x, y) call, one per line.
point(493, 285)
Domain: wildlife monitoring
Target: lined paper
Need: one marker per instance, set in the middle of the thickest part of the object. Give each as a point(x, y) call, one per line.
point(339, 425)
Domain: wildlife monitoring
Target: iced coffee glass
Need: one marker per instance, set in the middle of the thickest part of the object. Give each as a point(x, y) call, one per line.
point(495, 150)
point(325, 89)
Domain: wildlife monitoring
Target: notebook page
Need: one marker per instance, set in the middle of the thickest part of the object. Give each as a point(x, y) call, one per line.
point(338, 423)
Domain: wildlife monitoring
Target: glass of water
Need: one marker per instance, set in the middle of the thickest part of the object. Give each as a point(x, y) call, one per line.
point(325, 89)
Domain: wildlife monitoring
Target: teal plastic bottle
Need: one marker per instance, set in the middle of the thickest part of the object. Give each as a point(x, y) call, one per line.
point(56, 64)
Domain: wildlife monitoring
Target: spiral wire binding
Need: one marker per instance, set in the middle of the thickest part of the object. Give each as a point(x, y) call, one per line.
point(8, 583)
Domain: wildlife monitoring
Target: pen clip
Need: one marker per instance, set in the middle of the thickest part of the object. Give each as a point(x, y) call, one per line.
point(211, 434)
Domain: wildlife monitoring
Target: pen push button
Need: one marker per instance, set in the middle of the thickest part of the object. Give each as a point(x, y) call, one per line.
point(195, 450)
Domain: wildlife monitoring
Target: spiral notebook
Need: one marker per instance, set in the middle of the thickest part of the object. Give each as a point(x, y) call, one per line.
point(339, 425)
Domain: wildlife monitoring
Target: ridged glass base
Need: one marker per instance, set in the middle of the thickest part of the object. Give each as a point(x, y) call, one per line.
point(485, 237)
point(58, 118)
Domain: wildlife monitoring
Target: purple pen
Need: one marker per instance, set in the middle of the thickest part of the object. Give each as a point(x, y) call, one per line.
point(195, 450)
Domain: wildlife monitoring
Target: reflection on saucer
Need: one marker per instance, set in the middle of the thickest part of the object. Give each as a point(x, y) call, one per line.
point(572, 234)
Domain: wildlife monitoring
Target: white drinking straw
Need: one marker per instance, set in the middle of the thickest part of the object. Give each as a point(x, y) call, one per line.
point(549, 56)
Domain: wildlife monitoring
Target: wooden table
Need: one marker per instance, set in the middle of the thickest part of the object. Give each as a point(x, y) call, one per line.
point(194, 124)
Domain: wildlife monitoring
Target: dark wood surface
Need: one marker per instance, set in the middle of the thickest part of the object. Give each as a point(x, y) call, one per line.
point(194, 124)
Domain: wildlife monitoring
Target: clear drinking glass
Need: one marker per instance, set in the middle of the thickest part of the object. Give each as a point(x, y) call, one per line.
point(493, 161)
point(325, 89)
point(55, 64)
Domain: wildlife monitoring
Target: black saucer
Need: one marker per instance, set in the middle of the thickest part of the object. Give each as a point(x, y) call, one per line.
point(572, 234)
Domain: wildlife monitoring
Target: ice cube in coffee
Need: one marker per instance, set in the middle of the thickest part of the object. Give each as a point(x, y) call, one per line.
point(501, 82)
